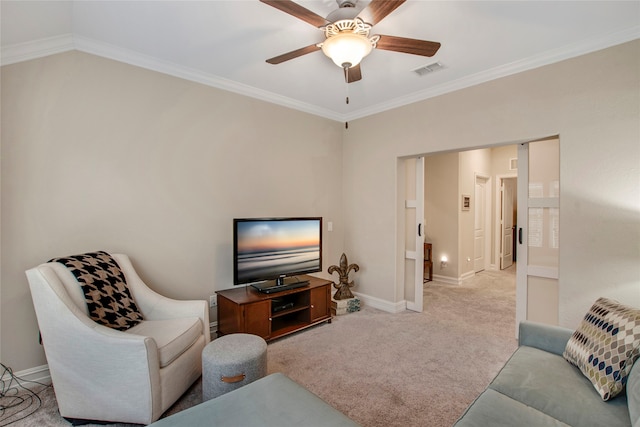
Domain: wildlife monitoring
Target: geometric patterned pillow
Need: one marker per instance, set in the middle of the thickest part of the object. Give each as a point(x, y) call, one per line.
point(605, 345)
point(105, 289)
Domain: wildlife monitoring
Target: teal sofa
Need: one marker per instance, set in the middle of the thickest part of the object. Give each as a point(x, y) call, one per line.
point(272, 401)
point(538, 387)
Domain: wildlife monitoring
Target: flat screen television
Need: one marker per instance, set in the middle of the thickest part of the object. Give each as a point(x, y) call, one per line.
point(269, 253)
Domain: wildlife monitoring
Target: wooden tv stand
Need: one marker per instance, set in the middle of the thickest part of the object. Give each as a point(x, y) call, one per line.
point(249, 311)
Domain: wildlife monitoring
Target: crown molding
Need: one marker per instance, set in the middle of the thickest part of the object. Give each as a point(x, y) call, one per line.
point(546, 58)
point(50, 46)
point(36, 49)
point(116, 53)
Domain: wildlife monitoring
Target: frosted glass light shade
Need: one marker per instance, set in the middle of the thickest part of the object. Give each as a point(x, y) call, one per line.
point(346, 49)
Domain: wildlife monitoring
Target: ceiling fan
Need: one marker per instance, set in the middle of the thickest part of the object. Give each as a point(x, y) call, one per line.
point(346, 32)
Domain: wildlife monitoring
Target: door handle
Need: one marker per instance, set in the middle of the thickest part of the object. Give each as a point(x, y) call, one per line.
point(419, 229)
point(520, 235)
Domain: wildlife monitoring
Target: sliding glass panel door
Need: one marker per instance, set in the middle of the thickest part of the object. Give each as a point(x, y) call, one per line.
point(414, 233)
point(538, 231)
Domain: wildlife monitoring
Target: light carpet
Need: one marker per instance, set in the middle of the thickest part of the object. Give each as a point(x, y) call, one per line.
point(382, 369)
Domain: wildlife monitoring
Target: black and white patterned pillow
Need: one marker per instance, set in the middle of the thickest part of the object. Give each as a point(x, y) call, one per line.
point(605, 345)
point(105, 289)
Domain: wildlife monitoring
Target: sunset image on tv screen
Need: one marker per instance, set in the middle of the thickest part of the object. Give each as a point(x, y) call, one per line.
point(272, 248)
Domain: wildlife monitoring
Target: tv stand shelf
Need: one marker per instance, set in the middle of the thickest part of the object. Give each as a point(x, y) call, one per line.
point(276, 314)
point(286, 312)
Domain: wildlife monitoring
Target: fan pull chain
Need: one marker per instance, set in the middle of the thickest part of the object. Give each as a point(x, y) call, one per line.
point(346, 82)
point(345, 67)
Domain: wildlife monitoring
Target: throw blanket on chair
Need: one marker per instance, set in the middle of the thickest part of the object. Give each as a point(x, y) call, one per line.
point(105, 289)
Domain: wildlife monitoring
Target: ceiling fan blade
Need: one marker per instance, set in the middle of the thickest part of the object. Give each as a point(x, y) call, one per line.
point(405, 45)
point(353, 74)
point(293, 54)
point(377, 10)
point(294, 9)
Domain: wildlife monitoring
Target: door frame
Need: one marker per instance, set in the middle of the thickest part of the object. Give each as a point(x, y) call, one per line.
point(399, 290)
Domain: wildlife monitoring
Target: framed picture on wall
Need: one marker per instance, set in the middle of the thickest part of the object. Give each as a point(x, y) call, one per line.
point(466, 202)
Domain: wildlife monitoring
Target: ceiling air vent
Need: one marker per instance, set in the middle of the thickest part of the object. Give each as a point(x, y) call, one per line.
point(428, 69)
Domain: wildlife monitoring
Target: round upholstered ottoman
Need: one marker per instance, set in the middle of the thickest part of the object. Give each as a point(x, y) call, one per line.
point(231, 361)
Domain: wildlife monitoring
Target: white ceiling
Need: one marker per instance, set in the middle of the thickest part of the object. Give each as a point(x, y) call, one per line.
point(225, 44)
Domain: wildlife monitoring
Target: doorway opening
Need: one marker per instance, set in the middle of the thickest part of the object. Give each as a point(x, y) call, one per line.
point(507, 187)
point(472, 222)
point(463, 210)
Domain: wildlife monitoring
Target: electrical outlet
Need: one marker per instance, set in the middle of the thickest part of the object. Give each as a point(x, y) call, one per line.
point(213, 301)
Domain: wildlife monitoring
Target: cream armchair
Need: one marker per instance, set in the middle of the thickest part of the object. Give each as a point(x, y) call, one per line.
point(100, 373)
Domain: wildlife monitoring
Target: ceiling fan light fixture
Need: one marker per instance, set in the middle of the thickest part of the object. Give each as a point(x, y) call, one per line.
point(346, 49)
point(346, 32)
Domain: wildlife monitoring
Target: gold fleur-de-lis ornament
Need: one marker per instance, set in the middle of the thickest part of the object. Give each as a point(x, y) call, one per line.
point(343, 287)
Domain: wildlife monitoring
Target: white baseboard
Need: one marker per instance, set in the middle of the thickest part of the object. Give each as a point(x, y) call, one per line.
point(467, 275)
point(453, 280)
point(447, 279)
point(213, 328)
point(28, 378)
point(380, 304)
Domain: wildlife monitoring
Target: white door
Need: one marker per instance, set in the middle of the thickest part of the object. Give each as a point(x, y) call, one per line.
point(506, 222)
point(537, 238)
point(414, 233)
point(480, 231)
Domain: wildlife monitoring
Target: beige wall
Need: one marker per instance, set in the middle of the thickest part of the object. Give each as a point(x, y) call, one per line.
point(441, 211)
point(97, 154)
point(591, 102)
